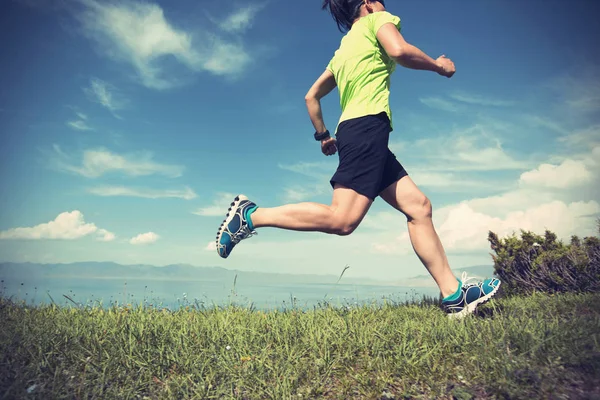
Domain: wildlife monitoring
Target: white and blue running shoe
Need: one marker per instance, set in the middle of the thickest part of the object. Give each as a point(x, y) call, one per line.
point(237, 225)
point(469, 296)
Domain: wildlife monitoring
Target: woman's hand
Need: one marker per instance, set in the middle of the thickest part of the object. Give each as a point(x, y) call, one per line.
point(328, 146)
point(446, 65)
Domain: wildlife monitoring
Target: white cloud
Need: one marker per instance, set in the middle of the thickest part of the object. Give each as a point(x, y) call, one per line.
point(66, 226)
point(476, 99)
point(440, 104)
point(81, 115)
point(471, 149)
point(382, 220)
point(79, 125)
point(463, 100)
point(219, 206)
point(98, 162)
point(298, 193)
point(241, 19)
point(466, 229)
point(320, 172)
point(105, 94)
point(451, 181)
point(144, 238)
point(570, 173)
point(545, 199)
point(226, 58)
point(449, 162)
point(211, 246)
point(140, 34)
point(317, 170)
point(109, 191)
point(105, 236)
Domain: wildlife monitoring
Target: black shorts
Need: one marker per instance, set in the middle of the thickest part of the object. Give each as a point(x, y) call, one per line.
point(366, 163)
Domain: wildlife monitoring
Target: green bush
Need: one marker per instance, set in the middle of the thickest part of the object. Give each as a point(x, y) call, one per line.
point(535, 263)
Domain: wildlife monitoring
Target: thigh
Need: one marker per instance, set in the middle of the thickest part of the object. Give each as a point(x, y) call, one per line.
point(349, 205)
point(404, 196)
point(393, 172)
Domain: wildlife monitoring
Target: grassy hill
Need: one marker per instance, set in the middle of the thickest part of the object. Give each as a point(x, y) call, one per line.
point(515, 348)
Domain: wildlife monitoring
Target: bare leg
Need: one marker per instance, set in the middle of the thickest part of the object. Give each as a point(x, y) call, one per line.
point(345, 213)
point(406, 197)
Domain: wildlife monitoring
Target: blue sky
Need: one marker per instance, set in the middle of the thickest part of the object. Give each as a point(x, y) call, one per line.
point(127, 127)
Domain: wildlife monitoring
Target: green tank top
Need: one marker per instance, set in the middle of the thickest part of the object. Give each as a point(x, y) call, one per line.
point(362, 68)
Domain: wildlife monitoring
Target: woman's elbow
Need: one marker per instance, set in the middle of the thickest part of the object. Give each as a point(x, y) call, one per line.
point(310, 98)
point(396, 52)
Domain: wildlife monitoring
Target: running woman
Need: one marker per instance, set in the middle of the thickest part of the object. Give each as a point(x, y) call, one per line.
point(361, 69)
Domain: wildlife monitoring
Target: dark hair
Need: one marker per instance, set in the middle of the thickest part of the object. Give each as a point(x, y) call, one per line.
point(344, 12)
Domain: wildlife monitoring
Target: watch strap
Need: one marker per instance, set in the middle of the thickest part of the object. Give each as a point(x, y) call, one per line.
point(321, 136)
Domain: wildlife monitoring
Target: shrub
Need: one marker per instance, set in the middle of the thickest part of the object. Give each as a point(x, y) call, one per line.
point(535, 263)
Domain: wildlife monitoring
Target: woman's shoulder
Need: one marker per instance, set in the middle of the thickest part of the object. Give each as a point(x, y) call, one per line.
point(376, 19)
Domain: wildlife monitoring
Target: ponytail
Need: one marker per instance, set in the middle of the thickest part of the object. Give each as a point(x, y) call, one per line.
point(344, 12)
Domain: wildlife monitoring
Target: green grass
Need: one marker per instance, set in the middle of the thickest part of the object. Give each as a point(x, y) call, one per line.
point(534, 347)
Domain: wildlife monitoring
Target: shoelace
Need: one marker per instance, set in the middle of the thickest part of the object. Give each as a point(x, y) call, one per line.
point(464, 278)
point(243, 233)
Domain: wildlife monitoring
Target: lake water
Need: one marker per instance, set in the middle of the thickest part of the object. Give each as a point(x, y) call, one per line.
point(175, 293)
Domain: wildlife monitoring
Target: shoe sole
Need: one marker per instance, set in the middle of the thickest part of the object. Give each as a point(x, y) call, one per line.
point(230, 213)
point(470, 308)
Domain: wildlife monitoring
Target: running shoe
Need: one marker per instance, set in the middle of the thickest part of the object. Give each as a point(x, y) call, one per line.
point(469, 296)
point(237, 225)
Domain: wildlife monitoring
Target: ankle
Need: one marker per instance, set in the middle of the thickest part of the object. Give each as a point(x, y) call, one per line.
point(451, 290)
point(251, 217)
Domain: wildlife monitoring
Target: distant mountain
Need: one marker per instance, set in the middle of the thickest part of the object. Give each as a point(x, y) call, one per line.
point(110, 270)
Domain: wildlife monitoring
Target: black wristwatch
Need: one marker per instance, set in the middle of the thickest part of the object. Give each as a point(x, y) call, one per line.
point(321, 136)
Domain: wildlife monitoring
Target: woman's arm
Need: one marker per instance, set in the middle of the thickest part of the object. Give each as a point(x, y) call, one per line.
point(410, 56)
point(322, 87)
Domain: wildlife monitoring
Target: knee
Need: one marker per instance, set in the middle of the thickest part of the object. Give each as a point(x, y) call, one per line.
point(343, 228)
point(421, 210)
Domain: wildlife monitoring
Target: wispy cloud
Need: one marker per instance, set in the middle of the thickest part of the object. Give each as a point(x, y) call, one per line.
point(471, 149)
point(320, 172)
point(453, 182)
point(588, 137)
point(98, 162)
point(317, 170)
point(79, 125)
point(475, 99)
point(545, 122)
point(241, 19)
point(144, 238)
point(105, 94)
point(140, 34)
point(580, 90)
point(218, 208)
point(459, 101)
point(440, 104)
point(111, 191)
point(66, 226)
point(296, 193)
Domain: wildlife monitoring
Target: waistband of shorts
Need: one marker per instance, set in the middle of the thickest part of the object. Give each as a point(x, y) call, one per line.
point(380, 117)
